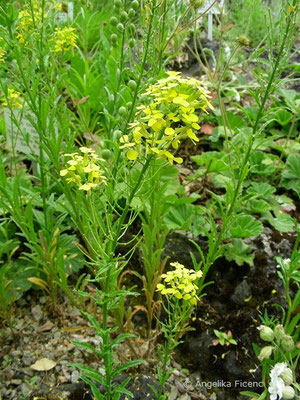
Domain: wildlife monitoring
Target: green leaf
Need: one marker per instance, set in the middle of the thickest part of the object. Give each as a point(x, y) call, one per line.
point(89, 372)
point(282, 222)
point(262, 188)
point(292, 170)
point(86, 346)
point(259, 206)
point(238, 252)
point(179, 217)
point(125, 366)
point(245, 226)
point(283, 117)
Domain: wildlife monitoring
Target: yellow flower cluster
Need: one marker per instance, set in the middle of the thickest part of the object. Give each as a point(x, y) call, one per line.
point(64, 39)
point(169, 118)
point(2, 54)
point(180, 283)
point(29, 20)
point(14, 99)
point(83, 169)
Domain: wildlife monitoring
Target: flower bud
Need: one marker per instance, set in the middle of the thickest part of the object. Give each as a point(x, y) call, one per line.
point(131, 29)
point(113, 21)
point(135, 4)
point(114, 38)
point(118, 3)
point(266, 333)
point(197, 3)
point(279, 332)
point(287, 376)
point(287, 343)
point(288, 392)
point(117, 134)
point(265, 352)
point(243, 40)
point(120, 27)
point(106, 154)
point(131, 43)
point(124, 16)
point(132, 84)
point(122, 111)
point(131, 13)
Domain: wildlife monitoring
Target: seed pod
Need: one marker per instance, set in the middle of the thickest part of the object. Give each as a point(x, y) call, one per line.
point(287, 376)
point(129, 105)
point(266, 333)
point(124, 16)
point(135, 4)
point(288, 393)
point(287, 343)
point(279, 332)
point(122, 111)
point(265, 352)
point(120, 27)
point(132, 85)
point(113, 21)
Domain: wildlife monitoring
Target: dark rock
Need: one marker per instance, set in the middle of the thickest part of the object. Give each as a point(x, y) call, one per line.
point(241, 293)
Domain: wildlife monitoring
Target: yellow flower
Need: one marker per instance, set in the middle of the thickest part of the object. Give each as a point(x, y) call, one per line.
point(29, 20)
point(64, 39)
point(13, 100)
point(168, 119)
point(180, 283)
point(83, 170)
point(2, 54)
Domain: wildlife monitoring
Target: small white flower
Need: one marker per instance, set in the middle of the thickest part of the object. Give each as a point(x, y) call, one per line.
point(277, 370)
point(276, 388)
point(286, 261)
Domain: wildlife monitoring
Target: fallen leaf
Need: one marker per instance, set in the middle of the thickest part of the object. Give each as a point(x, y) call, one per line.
point(207, 129)
point(46, 327)
point(43, 364)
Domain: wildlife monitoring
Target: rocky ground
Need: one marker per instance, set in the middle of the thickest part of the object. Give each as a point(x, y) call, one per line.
point(203, 369)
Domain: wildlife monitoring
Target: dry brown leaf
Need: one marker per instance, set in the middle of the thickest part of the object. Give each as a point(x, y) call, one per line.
point(43, 364)
point(46, 327)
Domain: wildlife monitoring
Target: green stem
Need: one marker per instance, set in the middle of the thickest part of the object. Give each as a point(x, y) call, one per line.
point(169, 346)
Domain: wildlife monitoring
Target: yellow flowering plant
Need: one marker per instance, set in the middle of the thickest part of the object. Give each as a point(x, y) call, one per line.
point(2, 54)
point(64, 39)
point(180, 292)
point(29, 20)
point(83, 170)
point(171, 116)
point(13, 99)
point(180, 283)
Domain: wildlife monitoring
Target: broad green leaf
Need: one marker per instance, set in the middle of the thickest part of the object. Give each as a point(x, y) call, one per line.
point(282, 222)
point(238, 251)
point(292, 170)
point(262, 188)
point(283, 117)
point(245, 226)
point(179, 217)
point(259, 206)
